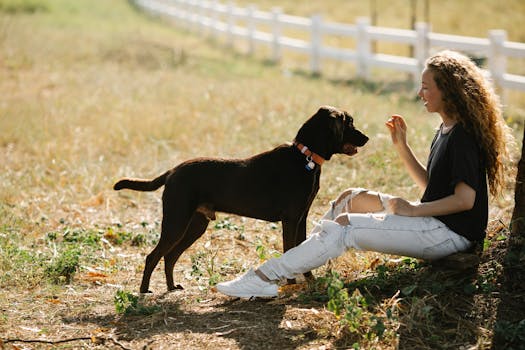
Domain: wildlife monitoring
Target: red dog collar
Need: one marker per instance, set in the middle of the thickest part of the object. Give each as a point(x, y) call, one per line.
point(310, 156)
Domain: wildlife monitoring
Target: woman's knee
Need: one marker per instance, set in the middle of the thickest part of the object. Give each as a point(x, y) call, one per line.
point(347, 195)
point(360, 200)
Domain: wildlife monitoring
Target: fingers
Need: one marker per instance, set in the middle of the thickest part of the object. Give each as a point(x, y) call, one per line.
point(396, 121)
point(400, 206)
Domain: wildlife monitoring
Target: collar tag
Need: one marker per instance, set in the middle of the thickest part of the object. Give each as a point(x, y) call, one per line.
point(310, 165)
point(311, 158)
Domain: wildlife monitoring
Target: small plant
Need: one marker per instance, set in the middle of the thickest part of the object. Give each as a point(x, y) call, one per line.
point(81, 236)
point(64, 267)
point(117, 237)
point(353, 309)
point(203, 266)
point(125, 301)
point(129, 304)
point(264, 253)
point(226, 224)
point(17, 265)
point(138, 240)
point(196, 264)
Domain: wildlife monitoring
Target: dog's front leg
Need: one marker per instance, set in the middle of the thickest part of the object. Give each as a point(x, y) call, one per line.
point(294, 233)
point(301, 237)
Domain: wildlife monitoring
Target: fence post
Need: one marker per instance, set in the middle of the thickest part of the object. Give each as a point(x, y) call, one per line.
point(316, 43)
point(497, 61)
point(420, 49)
point(251, 29)
point(182, 6)
point(230, 24)
point(214, 17)
point(201, 15)
point(276, 31)
point(192, 16)
point(363, 47)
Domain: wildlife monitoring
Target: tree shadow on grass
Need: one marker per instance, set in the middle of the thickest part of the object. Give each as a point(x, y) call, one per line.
point(509, 325)
point(479, 308)
point(436, 304)
point(251, 324)
point(438, 314)
point(438, 310)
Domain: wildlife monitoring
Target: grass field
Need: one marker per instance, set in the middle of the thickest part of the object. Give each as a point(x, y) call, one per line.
point(95, 90)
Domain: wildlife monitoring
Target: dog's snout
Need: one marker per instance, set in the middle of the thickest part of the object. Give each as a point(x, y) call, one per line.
point(363, 139)
point(357, 138)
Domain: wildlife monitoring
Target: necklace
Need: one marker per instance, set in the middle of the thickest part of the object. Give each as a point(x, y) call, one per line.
point(445, 129)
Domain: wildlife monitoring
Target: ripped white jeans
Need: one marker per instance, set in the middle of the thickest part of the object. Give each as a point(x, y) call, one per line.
point(418, 237)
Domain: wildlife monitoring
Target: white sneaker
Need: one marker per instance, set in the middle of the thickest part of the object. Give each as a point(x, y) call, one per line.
point(247, 286)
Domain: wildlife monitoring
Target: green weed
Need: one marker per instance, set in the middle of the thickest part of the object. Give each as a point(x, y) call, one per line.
point(138, 240)
point(64, 266)
point(227, 224)
point(18, 265)
point(129, 304)
point(203, 268)
point(118, 237)
point(353, 309)
point(265, 253)
point(81, 236)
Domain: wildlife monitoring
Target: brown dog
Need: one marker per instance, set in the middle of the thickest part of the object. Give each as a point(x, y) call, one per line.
point(277, 185)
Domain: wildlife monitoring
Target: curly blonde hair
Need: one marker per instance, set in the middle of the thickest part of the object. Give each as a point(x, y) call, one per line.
point(469, 98)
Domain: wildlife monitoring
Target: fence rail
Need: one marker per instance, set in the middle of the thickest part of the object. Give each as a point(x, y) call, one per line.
point(225, 19)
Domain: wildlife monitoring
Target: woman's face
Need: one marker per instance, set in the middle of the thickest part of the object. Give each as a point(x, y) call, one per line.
point(430, 94)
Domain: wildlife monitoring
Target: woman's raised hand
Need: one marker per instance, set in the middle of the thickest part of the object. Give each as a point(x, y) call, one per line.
point(398, 128)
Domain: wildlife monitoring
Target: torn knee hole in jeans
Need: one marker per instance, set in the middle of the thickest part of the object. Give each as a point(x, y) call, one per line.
point(345, 199)
point(343, 220)
point(384, 198)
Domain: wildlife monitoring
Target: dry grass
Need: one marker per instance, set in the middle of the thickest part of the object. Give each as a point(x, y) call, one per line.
point(136, 97)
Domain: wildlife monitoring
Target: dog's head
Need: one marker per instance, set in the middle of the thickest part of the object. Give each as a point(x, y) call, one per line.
point(331, 131)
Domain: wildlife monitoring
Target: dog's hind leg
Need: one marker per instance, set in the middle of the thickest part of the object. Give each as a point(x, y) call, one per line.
point(197, 226)
point(152, 260)
point(174, 224)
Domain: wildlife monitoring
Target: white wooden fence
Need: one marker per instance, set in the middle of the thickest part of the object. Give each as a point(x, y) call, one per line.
point(225, 19)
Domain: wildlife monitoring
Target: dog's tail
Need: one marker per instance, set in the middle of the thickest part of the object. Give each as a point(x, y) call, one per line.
point(142, 185)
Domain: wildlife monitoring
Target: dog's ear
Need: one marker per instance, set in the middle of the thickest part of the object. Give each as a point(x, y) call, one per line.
point(349, 120)
point(326, 111)
point(338, 128)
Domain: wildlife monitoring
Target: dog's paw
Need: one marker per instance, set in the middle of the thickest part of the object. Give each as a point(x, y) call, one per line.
point(177, 287)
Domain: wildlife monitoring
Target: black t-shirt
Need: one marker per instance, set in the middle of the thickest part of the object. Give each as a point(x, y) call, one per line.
point(456, 157)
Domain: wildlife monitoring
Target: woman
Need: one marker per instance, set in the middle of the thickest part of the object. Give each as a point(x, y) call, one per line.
point(467, 150)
